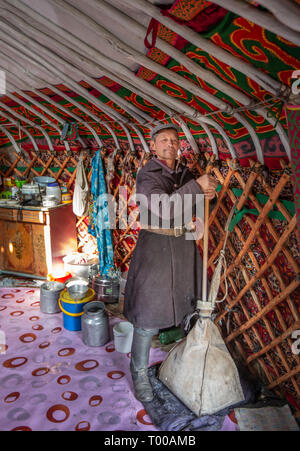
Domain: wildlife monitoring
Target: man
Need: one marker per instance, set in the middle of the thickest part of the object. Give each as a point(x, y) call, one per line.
point(165, 276)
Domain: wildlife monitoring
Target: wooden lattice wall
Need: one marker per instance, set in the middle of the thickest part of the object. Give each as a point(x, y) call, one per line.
point(262, 308)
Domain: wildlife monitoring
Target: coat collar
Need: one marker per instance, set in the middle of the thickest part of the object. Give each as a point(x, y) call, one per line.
point(155, 164)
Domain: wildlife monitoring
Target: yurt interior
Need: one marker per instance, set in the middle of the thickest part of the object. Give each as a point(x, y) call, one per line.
point(150, 217)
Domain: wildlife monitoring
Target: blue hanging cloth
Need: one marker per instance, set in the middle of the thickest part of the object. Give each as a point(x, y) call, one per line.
point(99, 223)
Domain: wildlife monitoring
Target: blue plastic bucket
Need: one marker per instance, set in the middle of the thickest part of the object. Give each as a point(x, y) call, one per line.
point(73, 310)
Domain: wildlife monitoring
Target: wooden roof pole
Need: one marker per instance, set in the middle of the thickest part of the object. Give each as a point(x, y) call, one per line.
point(287, 12)
point(36, 113)
point(67, 67)
point(86, 111)
point(247, 69)
point(252, 133)
point(135, 56)
point(93, 131)
point(129, 138)
point(140, 30)
point(46, 25)
point(44, 109)
point(64, 78)
point(71, 114)
point(211, 138)
point(29, 122)
point(58, 105)
point(255, 139)
point(56, 30)
point(169, 74)
point(222, 133)
point(24, 130)
point(117, 44)
point(188, 134)
point(211, 121)
point(142, 139)
point(261, 18)
point(219, 103)
point(11, 138)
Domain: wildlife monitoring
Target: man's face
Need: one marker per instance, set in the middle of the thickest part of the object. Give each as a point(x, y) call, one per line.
point(166, 144)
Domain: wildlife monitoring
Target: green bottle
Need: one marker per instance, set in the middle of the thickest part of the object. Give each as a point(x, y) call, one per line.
point(171, 335)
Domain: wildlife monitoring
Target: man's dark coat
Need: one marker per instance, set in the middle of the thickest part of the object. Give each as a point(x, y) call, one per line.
point(165, 275)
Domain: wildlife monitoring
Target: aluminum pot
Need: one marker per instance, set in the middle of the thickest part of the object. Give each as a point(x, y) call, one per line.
point(106, 289)
point(30, 189)
point(94, 324)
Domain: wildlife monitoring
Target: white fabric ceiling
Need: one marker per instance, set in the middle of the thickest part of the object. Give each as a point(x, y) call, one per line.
point(40, 42)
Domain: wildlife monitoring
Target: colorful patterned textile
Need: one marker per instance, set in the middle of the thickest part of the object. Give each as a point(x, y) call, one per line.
point(100, 225)
point(251, 43)
point(204, 21)
point(188, 9)
point(293, 120)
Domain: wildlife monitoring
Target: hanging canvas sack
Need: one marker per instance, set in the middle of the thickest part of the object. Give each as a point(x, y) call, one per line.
point(81, 191)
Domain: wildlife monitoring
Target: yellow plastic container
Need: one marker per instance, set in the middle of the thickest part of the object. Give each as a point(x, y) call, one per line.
point(7, 181)
point(72, 309)
point(66, 198)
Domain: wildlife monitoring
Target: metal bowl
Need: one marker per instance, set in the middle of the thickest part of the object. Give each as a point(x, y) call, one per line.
point(44, 180)
point(78, 291)
point(76, 281)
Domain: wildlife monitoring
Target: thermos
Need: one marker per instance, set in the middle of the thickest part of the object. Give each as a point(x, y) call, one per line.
point(94, 324)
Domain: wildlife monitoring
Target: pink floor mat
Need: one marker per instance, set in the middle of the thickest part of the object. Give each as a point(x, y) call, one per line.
point(50, 380)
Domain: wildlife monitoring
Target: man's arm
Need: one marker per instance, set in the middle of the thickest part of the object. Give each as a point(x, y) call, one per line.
point(176, 207)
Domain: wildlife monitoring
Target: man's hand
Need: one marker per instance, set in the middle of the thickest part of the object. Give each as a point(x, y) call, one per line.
point(208, 184)
point(196, 228)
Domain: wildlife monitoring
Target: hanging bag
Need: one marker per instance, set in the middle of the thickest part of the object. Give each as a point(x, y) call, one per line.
point(81, 191)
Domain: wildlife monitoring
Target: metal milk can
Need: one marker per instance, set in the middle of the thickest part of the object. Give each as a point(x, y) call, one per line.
point(94, 324)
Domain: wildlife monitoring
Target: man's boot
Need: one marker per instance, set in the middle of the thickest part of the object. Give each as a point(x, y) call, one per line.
point(140, 350)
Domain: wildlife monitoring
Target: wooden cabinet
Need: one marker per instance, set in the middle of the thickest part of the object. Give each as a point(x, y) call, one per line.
point(34, 241)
